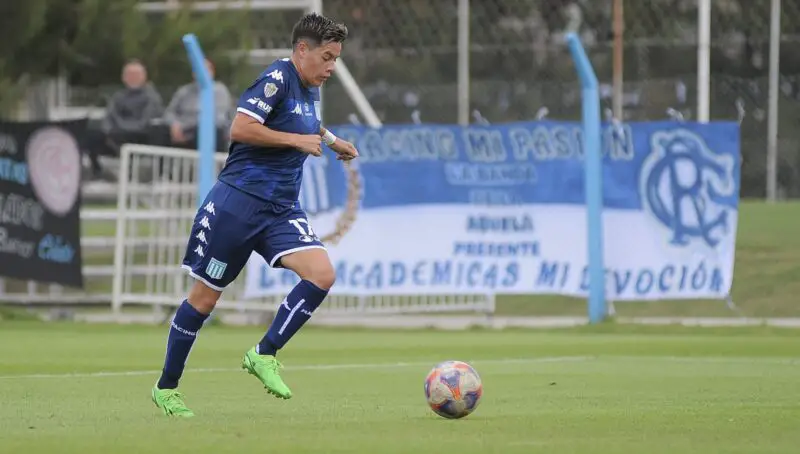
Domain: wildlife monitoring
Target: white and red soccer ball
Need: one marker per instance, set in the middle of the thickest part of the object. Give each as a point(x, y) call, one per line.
point(453, 389)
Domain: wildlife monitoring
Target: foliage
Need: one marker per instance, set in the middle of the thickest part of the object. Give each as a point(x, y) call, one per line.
point(88, 41)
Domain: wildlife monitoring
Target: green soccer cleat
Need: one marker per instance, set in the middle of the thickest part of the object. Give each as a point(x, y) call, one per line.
point(170, 401)
point(265, 368)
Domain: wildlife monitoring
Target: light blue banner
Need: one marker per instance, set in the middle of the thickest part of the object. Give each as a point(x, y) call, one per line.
point(446, 209)
point(521, 163)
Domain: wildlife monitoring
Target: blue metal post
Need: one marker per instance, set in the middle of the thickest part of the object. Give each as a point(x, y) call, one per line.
point(593, 161)
point(206, 129)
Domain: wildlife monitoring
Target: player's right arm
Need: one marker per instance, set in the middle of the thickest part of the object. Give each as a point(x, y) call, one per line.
point(253, 112)
point(246, 129)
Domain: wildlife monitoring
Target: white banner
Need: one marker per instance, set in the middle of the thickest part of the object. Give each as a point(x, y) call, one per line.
point(500, 209)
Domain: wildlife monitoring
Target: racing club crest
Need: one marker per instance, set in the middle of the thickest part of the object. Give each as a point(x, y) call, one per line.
point(689, 188)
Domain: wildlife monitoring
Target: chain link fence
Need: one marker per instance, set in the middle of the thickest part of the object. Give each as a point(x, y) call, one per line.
point(404, 56)
point(661, 44)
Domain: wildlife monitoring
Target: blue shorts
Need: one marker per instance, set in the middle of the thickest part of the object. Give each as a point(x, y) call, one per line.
point(232, 224)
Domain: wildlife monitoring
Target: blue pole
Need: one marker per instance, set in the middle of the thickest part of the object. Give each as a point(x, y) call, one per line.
point(594, 178)
point(206, 129)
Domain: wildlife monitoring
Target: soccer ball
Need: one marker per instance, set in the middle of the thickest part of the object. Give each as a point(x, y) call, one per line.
point(453, 389)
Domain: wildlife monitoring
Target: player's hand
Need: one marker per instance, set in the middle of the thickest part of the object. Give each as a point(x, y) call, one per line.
point(345, 150)
point(310, 143)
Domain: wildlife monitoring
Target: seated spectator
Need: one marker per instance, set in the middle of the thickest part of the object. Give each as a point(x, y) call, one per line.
point(182, 111)
point(131, 116)
point(132, 111)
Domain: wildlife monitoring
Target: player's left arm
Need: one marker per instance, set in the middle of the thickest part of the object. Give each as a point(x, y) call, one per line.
point(344, 149)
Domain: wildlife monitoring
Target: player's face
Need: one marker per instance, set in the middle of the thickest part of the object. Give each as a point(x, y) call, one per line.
point(319, 62)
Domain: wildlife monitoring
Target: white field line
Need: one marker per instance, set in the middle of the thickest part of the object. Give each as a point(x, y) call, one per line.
point(708, 359)
point(375, 366)
point(316, 367)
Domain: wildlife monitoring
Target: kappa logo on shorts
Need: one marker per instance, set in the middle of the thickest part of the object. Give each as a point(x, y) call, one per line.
point(216, 269)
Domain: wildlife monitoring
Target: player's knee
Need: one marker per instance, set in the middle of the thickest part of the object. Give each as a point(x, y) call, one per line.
point(312, 265)
point(203, 298)
point(322, 275)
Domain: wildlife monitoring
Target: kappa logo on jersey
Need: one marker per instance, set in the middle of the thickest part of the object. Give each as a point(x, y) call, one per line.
point(202, 237)
point(210, 208)
point(205, 223)
point(297, 110)
point(277, 75)
point(199, 251)
point(261, 105)
point(270, 89)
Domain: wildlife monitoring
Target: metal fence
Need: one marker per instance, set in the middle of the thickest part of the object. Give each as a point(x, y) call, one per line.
point(408, 57)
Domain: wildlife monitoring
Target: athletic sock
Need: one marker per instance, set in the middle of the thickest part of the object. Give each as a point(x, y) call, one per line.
point(182, 333)
point(292, 314)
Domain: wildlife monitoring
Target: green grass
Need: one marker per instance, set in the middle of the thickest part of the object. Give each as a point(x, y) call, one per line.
point(605, 389)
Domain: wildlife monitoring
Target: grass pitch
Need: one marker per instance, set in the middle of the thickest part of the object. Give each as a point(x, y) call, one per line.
point(68, 388)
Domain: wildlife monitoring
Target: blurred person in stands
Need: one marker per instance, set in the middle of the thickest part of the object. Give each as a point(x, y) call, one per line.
point(132, 111)
point(131, 116)
point(181, 113)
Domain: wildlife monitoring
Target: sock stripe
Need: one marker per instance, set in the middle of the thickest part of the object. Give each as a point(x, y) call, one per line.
point(291, 314)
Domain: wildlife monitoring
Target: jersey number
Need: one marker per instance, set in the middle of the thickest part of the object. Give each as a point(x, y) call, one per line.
point(298, 223)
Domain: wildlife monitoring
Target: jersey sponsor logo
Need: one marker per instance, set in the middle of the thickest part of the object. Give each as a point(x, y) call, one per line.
point(277, 75)
point(270, 89)
point(216, 269)
point(260, 105)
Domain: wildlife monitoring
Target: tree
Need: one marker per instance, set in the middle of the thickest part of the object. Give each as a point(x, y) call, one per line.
point(88, 41)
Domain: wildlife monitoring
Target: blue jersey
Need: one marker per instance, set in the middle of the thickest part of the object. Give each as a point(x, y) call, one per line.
point(279, 100)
